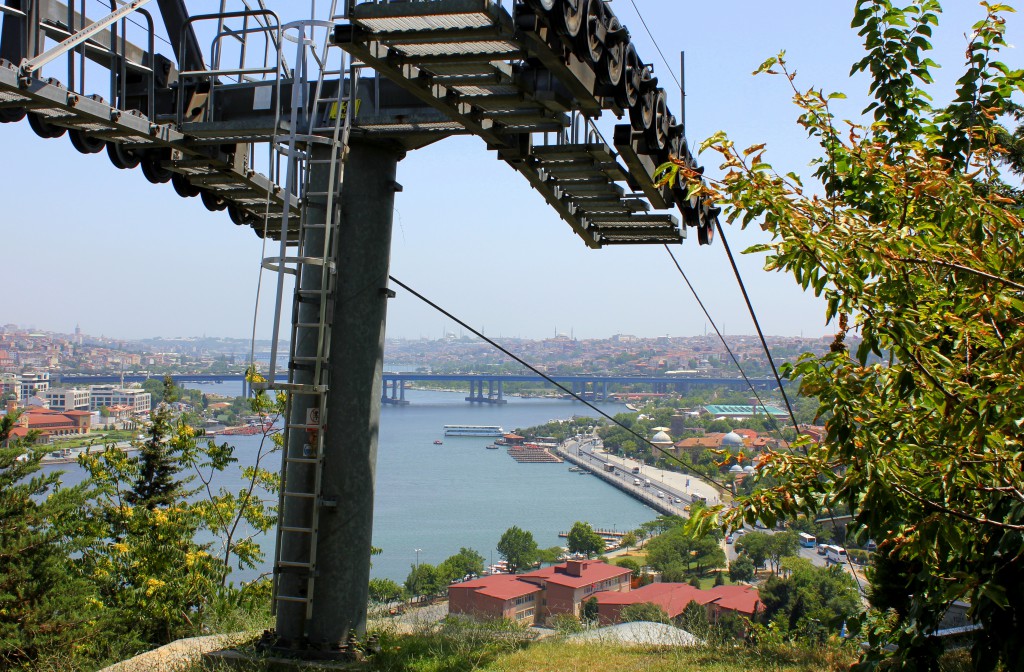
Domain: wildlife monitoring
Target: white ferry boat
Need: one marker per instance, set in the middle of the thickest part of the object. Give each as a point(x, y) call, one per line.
point(473, 430)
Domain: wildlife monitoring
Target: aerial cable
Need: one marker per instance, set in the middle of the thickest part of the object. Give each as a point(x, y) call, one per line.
point(743, 289)
point(651, 35)
point(721, 233)
point(689, 466)
point(757, 324)
point(722, 339)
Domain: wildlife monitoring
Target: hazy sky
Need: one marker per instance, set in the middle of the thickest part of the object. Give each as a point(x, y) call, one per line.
point(86, 243)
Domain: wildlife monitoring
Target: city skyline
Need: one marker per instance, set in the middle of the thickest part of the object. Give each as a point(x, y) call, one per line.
point(123, 256)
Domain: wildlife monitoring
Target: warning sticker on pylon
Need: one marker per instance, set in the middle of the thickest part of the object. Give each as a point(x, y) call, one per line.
point(312, 416)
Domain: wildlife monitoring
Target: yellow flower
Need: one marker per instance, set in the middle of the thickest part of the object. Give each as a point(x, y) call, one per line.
point(152, 585)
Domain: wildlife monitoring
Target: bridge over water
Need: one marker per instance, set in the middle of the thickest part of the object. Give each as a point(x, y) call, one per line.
point(484, 388)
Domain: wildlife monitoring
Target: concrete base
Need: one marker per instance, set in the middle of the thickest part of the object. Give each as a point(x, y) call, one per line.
point(233, 659)
point(394, 402)
point(485, 400)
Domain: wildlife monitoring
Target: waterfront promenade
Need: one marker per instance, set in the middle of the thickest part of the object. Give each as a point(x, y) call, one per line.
point(588, 453)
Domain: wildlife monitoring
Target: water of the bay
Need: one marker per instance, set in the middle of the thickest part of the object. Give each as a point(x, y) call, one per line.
point(438, 498)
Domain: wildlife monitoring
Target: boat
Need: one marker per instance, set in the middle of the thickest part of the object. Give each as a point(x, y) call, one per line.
point(473, 430)
point(493, 446)
point(438, 442)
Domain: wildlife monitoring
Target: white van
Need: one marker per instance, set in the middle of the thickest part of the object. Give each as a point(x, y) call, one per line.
point(636, 481)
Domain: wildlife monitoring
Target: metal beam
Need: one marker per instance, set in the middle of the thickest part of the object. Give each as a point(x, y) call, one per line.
point(31, 65)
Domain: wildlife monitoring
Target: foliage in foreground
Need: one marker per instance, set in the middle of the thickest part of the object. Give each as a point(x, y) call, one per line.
point(96, 573)
point(914, 245)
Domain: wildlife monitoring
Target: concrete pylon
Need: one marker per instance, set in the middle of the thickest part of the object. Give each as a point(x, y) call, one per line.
point(362, 257)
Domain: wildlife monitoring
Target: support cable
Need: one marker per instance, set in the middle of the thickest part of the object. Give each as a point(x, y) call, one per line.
point(724, 343)
point(655, 42)
point(757, 324)
point(746, 298)
point(689, 466)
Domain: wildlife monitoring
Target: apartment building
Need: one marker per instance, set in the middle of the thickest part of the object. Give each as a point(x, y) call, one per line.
point(67, 398)
point(107, 395)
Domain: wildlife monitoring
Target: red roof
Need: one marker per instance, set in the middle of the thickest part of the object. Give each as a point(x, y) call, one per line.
point(500, 586)
point(591, 572)
point(672, 597)
point(743, 599)
point(77, 413)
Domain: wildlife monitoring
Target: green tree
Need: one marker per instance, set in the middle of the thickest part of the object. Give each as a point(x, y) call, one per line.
point(678, 548)
point(236, 518)
point(424, 579)
point(588, 610)
point(462, 564)
point(385, 590)
point(779, 546)
point(810, 595)
point(48, 611)
point(550, 555)
point(630, 564)
point(159, 571)
point(628, 540)
point(583, 539)
point(756, 546)
point(912, 244)
point(643, 611)
point(694, 619)
point(518, 548)
point(157, 483)
point(742, 568)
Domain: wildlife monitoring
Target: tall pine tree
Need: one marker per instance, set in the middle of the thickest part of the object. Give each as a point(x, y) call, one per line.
point(159, 465)
point(47, 611)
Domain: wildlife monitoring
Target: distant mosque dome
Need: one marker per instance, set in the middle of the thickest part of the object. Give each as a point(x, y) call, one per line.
point(749, 469)
point(662, 440)
point(732, 439)
point(735, 469)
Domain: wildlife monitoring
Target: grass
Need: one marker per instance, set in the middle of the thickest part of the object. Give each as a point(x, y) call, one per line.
point(463, 646)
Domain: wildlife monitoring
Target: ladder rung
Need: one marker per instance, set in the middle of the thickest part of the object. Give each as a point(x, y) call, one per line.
point(302, 460)
point(291, 598)
point(301, 495)
point(290, 563)
point(300, 358)
point(303, 530)
point(305, 427)
point(307, 325)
